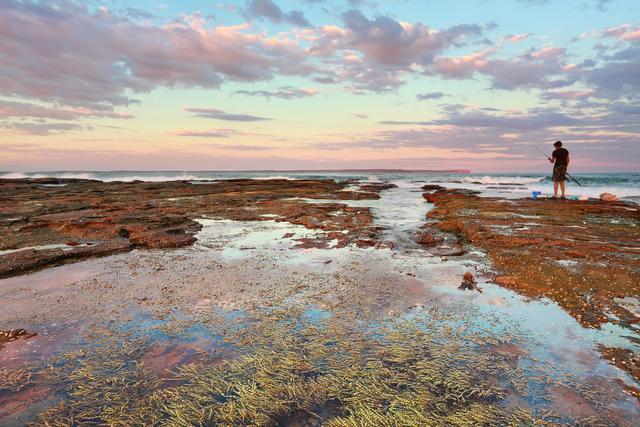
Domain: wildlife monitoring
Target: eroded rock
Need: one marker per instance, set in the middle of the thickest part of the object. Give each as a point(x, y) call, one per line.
point(428, 237)
point(583, 255)
point(101, 218)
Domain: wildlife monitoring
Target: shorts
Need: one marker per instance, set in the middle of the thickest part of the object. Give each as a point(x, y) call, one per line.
point(559, 173)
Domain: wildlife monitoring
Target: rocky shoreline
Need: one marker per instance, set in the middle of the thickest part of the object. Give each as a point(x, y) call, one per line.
point(45, 222)
point(234, 274)
point(584, 256)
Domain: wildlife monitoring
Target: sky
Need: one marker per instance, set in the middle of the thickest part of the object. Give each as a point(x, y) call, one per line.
point(318, 84)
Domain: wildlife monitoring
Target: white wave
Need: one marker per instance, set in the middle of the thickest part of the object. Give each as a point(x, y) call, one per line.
point(36, 175)
point(488, 180)
point(105, 177)
point(152, 178)
point(13, 175)
point(401, 183)
point(68, 175)
point(266, 178)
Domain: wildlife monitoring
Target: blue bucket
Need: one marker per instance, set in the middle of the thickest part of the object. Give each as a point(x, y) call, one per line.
point(535, 194)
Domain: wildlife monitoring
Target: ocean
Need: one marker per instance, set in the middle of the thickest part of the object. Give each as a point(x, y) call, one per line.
point(624, 185)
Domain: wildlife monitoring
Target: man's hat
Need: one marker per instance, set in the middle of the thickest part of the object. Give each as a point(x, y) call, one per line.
point(558, 144)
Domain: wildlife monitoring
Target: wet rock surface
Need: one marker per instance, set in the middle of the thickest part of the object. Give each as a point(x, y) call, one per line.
point(469, 283)
point(99, 218)
point(584, 255)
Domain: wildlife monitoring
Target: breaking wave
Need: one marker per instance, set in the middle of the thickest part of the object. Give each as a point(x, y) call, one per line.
point(621, 184)
point(489, 180)
point(103, 176)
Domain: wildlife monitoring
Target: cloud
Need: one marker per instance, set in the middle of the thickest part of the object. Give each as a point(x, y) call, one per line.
point(21, 109)
point(386, 41)
point(43, 129)
point(375, 54)
point(543, 68)
point(618, 77)
point(441, 141)
point(515, 38)
point(235, 147)
point(601, 5)
point(65, 53)
point(267, 9)
point(625, 32)
point(534, 120)
point(212, 113)
point(211, 133)
point(139, 13)
point(568, 94)
point(461, 67)
point(285, 92)
point(429, 95)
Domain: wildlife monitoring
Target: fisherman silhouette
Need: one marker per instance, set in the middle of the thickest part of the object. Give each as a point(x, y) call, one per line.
point(560, 160)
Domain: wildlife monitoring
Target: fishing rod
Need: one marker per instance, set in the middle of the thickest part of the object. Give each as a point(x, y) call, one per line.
point(566, 173)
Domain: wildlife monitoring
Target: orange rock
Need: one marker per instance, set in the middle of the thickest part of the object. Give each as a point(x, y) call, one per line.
point(428, 237)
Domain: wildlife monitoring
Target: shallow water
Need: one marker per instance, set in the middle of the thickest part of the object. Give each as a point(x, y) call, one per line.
point(188, 302)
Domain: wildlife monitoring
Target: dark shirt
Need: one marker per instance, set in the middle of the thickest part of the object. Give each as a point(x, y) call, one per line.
point(561, 155)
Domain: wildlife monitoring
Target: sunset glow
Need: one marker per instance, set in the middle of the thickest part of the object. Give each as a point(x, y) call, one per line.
point(318, 84)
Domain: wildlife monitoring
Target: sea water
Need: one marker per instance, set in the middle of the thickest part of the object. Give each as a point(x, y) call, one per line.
point(624, 185)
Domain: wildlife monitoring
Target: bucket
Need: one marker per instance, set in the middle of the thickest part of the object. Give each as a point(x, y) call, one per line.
point(535, 194)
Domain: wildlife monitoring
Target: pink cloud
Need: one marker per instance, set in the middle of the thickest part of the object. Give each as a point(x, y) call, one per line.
point(570, 94)
point(548, 52)
point(73, 56)
point(623, 32)
point(632, 35)
point(515, 38)
point(462, 66)
point(374, 54)
point(541, 68)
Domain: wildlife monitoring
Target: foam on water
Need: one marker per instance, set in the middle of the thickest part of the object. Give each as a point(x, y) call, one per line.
point(489, 180)
point(624, 185)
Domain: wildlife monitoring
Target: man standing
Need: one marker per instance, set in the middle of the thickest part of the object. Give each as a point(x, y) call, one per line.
point(560, 160)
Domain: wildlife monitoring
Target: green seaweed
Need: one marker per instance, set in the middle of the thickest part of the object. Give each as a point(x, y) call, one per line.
point(15, 380)
point(336, 373)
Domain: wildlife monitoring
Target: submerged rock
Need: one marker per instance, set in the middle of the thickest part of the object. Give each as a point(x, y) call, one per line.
point(428, 237)
point(431, 187)
point(469, 283)
point(448, 250)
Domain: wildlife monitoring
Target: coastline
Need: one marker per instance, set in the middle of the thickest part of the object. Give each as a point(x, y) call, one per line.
point(583, 255)
point(195, 261)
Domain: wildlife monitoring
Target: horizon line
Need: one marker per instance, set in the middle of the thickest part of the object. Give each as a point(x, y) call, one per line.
point(376, 170)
